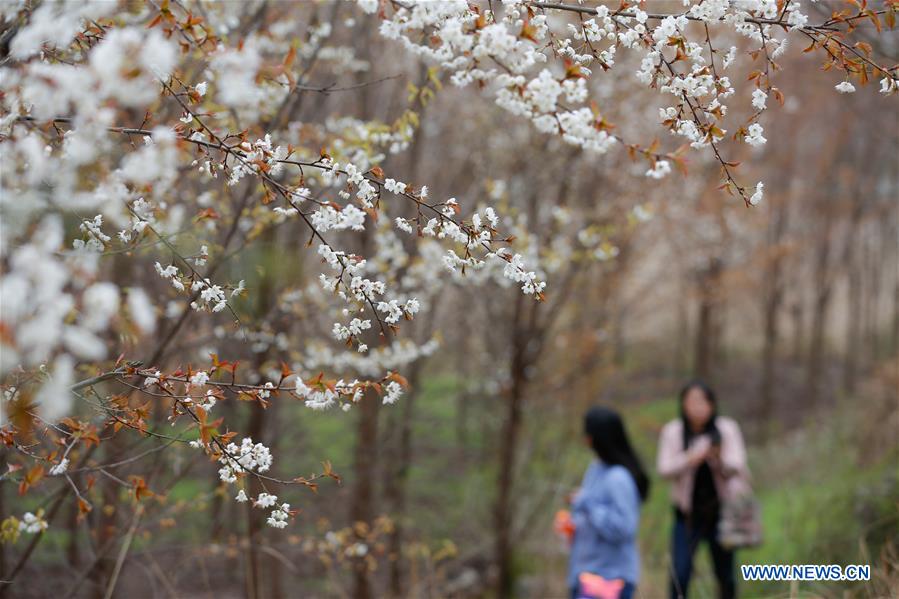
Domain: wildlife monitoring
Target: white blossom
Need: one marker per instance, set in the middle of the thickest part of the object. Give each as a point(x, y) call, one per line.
point(32, 524)
point(199, 378)
point(392, 392)
point(756, 198)
point(265, 500)
point(60, 468)
point(660, 169)
point(759, 98)
point(754, 135)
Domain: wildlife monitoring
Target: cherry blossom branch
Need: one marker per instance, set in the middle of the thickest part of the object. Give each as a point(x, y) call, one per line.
point(220, 446)
point(826, 29)
point(826, 26)
point(327, 89)
point(235, 151)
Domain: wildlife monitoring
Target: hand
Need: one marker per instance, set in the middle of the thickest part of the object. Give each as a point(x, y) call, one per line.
point(699, 451)
point(697, 458)
point(572, 495)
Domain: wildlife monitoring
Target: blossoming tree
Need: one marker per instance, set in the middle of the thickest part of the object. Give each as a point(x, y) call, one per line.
point(151, 152)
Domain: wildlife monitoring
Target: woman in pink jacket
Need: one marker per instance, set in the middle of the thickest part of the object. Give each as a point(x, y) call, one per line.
point(703, 456)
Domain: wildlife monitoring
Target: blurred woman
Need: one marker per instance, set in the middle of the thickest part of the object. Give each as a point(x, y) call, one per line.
point(605, 513)
point(703, 455)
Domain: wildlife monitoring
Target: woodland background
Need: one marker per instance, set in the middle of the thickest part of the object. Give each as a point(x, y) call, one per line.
point(789, 309)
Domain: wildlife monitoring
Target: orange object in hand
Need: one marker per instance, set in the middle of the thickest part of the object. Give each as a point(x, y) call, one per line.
point(564, 525)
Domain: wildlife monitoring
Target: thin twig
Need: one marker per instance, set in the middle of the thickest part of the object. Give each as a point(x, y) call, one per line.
point(126, 545)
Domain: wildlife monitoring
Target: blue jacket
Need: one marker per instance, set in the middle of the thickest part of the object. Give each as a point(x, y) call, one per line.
point(606, 516)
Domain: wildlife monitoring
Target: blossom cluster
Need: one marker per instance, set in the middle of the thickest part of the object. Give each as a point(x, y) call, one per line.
point(540, 65)
point(238, 459)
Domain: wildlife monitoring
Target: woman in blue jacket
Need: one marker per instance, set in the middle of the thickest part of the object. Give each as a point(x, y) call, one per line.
point(605, 513)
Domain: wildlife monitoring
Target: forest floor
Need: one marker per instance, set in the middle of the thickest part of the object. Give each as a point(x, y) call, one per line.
point(828, 486)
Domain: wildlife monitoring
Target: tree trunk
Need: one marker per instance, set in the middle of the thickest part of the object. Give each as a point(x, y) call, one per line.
point(220, 506)
point(72, 556)
point(796, 312)
point(706, 327)
point(853, 325)
point(362, 509)
point(702, 356)
point(719, 332)
point(396, 486)
point(508, 447)
point(253, 583)
point(773, 301)
point(854, 316)
point(256, 431)
point(894, 344)
point(874, 290)
point(681, 358)
point(820, 308)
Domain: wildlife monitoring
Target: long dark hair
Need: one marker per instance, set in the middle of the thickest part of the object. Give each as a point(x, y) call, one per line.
point(711, 427)
point(610, 442)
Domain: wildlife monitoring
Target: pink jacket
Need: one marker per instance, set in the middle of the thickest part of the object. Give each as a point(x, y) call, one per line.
point(730, 473)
